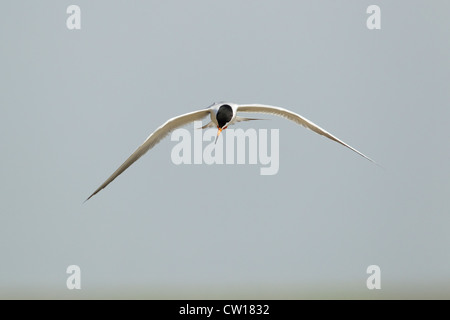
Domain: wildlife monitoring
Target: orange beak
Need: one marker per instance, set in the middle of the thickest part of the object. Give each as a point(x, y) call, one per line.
point(218, 134)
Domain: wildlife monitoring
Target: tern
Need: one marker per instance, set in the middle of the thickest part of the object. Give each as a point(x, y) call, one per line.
point(223, 114)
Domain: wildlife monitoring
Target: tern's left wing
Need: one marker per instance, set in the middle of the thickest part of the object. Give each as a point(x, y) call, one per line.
point(153, 139)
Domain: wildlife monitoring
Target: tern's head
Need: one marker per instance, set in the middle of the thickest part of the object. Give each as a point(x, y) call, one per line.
point(224, 116)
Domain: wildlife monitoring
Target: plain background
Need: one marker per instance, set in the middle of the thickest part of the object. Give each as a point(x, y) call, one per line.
point(76, 103)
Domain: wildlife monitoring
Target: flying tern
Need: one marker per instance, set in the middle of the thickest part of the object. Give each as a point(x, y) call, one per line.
point(222, 115)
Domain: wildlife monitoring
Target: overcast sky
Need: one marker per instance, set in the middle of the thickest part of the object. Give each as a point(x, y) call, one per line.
point(76, 103)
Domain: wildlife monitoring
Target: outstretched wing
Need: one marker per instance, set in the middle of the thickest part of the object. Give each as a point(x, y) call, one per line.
point(153, 139)
point(297, 119)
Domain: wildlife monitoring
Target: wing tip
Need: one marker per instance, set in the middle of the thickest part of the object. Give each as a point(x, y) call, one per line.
point(371, 160)
point(88, 198)
point(93, 194)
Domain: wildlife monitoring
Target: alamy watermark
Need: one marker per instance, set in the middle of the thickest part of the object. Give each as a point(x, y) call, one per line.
point(374, 280)
point(74, 280)
point(73, 21)
point(231, 147)
point(374, 20)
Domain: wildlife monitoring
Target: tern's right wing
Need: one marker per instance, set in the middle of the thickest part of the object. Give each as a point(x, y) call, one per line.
point(153, 139)
point(296, 118)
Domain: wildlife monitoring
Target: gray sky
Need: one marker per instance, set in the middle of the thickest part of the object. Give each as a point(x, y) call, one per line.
point(76, 103)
